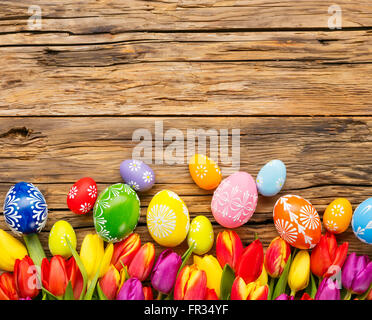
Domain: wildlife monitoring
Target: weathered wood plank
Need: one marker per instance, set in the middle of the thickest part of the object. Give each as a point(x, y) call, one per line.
point(116, 16)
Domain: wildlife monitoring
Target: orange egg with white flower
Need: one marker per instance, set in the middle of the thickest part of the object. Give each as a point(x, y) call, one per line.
point(205, 172)
point(297, 222)
point(337, 216)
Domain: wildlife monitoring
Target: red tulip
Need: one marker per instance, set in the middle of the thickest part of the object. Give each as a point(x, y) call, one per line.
point(54, 275)
point(125, 250)
point(75, 277)
point(326, 258)
point(191, 284)
point(276, 257)
point(142, 263)
point(229, 248)
point(147, 292)
point(26, 278)
point(109, 283)
point(251, 262)
point(8, 290)
point(305, 296)
point(251, 291)
point(210, 295)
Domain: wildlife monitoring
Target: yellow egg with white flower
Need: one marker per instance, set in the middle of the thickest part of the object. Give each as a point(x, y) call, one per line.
point(57, 239)
point(168, 219)
point(201, 234)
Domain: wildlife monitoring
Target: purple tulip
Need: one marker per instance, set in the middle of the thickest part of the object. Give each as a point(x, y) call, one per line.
point(328, 290)
point(131, 290)
point(357, 273)
point(165, 271)
point(284, 296)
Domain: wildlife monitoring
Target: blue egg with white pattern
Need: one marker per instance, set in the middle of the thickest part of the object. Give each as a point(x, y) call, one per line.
point(271, 178)
point(137, 174)
point(362, 221)
point(25, 209)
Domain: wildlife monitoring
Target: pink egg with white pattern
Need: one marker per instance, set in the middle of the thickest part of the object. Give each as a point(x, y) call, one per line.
point(235, 200)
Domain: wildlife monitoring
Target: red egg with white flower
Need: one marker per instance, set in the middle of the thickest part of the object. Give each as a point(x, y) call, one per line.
point(297, 221)
point(82, 196)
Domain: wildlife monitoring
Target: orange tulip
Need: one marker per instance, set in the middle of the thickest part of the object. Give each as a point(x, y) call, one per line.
point(125, 250)
point(276, 257)
point(8, 289)
point(210, 295)
point(142, 263)
point(54, 275)
point(251, 291)
point(191, 284)
point(26, 279)
point(75, 277)
point(147, 292)
point(109, 283)
point(251, 262)
point(229, 248)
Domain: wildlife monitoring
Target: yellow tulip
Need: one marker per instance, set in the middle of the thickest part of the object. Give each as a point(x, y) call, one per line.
point(263, 278)
point(213, 270)
point(93, 255)
point(299, 272)
point(11, 249)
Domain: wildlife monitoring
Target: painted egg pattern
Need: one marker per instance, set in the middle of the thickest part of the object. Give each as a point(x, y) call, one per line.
point(235, 200)
point(57, 241)
point(168, 219)
point(201, 234)
point(205, 172)
point(82, 196)
point(297, 221)
point(362, 221)
point(271, 178)
point(25, 209)
point(337, 216)
point(116, 212)
point(137, 174)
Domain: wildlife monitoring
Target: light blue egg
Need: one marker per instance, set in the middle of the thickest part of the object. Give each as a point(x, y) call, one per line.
point(362, 221)
point(271, 178)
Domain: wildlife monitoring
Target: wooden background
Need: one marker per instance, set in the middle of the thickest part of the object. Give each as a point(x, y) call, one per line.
point(73, 92)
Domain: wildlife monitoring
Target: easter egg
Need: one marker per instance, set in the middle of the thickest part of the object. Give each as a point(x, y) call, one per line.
point(57, 239)
point(337, 216)
point(205, 172)
point(362, 221)
point(25, 209)
point(271, 178)
point(82, 196)
point(168, 219)
point(137, 174)
point(116, 212)
point(201, 234)
point(235, 200)
point(297, 221)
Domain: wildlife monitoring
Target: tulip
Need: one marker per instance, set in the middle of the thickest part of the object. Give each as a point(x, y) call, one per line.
point(327, 290)
point(276, 257)
point(305, 296)
point(125, 250)
point(251, 291)
point(210, 295)
point(263, 278)
point(26, 278)
point(369, 296)
point(251, 261)
point(131, 290)
point(54, 275)
point(229, 248)
point(284, 296)
point(142, 263)
point(109, 283)
point(92, 253)
point(165, 271)
point(326, 258)
point(147, 292)
point(356, 274)
point(8, 290)
point(299, 272)
point(75, 277)
point(11, 249)
point(210, 265)
point(191, 284)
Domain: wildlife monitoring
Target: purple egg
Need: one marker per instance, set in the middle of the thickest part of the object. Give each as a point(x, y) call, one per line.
point(137, 174)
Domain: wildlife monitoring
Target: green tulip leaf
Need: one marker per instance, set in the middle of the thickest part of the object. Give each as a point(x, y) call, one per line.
point(311, 288)
point(365, 294)
point(127, 276)
point(92, 285)
point(80, 265)
point(271, 288)
point(49, 295)
point(227, 280)
point(282, 282)
point(101, 295)
point(69, 292)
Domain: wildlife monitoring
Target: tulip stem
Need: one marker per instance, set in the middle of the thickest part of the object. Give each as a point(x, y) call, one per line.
point(34, 248)
point(348, 295)
point(271, 288)
point(160, 296)
point(293, 293)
